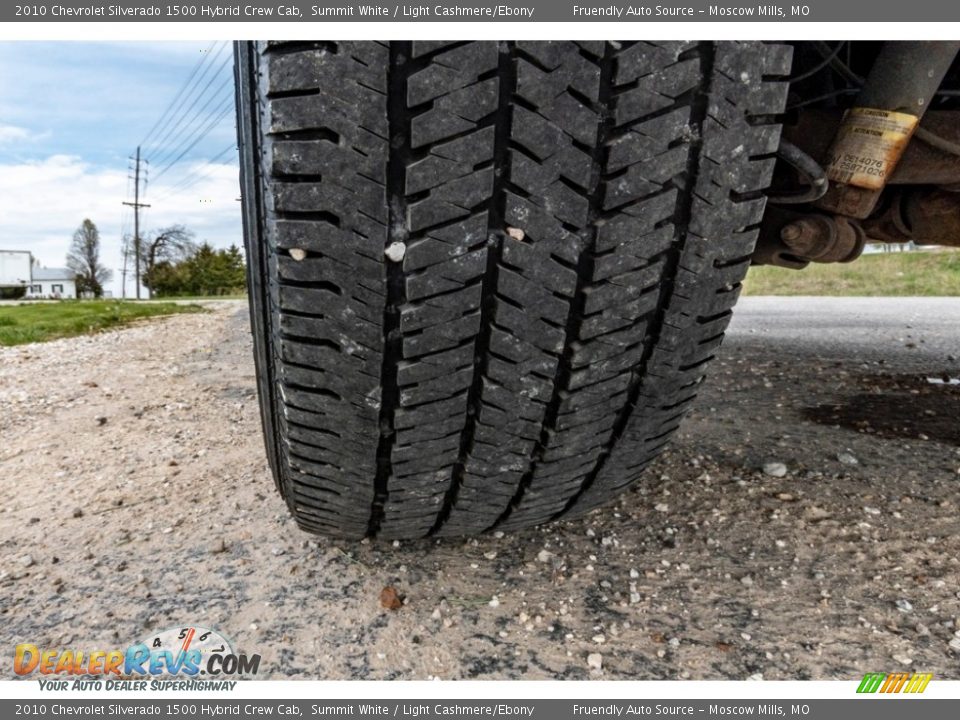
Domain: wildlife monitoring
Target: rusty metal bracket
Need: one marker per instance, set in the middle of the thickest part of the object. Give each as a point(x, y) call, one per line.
point(794, 239)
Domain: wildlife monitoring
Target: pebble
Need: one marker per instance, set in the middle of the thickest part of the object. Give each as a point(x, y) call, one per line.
point(494, 602)
point(395, 251)
point(904, 605)
point(27, 561)
point(298, 254)
point(516, 233)
point(847, 459)
point(544, 556)
point(595, 661)
point(775, 469)
point(903, 659)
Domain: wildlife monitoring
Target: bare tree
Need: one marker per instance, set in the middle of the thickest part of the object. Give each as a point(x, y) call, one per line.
point(84, 259)
point(168, 245)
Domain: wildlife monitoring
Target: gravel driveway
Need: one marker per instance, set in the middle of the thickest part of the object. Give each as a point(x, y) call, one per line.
point(803, 525)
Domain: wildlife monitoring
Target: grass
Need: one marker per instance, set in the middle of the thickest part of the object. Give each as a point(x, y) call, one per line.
point(38, 322)
point(891, 274)
point(199, 298)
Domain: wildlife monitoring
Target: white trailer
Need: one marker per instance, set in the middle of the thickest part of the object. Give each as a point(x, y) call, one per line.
point(15, 268)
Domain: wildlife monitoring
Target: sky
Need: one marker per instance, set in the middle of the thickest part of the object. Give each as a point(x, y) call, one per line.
point(71, 117)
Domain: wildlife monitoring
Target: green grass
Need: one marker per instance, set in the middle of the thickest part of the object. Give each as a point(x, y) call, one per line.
point(38, 322)
point(897, 274)
point(200, 298)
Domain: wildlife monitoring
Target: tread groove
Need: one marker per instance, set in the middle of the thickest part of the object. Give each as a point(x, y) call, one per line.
point(399, 136)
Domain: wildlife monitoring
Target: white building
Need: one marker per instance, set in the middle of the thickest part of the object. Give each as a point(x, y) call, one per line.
point(55, 283)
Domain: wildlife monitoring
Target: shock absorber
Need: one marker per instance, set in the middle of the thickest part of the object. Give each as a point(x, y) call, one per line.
point(875, 132)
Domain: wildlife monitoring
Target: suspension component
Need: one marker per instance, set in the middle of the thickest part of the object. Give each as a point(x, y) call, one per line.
point(876, 131)
point(922, 216)
point(794, 240)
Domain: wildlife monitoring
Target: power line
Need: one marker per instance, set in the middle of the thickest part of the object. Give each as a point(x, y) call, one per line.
point(174, 127)
point(200, 137)
point(195, 175)
point(176, 142)
point(193, 73)
point(172, 120)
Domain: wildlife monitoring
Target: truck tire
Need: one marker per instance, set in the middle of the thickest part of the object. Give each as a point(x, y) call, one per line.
point(486, 278)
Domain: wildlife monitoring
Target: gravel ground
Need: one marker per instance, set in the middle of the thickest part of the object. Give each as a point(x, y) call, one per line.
point(803, 525)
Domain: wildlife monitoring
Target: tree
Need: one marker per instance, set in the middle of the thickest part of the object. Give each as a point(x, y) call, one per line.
point(206, 271)
point(170, 245)
point(84, 260)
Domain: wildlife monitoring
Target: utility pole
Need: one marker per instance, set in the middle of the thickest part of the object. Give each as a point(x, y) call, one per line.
point(136, 205)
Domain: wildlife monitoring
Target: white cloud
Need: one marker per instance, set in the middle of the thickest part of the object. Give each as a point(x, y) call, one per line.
point(12, 133)
point(42, 202)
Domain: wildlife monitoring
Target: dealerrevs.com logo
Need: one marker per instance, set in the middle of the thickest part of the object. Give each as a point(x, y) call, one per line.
point(173, 659)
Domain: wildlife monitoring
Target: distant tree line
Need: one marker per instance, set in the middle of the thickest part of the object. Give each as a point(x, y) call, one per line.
point(172, 264)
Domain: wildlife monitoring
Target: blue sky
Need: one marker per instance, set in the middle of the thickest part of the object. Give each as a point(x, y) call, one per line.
point(71, 115)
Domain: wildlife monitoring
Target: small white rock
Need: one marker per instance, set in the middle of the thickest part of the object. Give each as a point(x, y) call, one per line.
point(395, 251)
point(847, 459)
point(494, 602)
point(516, 233)
point(595, 661)
point(298, 254)
point(544, 556)
point(661, 507)
point(904, 605)
point(775, 469)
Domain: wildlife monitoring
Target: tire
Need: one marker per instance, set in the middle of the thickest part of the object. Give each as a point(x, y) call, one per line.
point(486, 278)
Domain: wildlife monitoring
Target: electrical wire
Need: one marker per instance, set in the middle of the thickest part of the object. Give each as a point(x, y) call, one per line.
point(180, 92)
point(936, 141)
point(200, 118)
point(808, 169)
point(195, 175)
point(814, 70)
point(175, 127)
point(213, 123)
point(837, 64)
point(827, 96)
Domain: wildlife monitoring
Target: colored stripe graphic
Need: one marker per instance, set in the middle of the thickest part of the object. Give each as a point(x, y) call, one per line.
point(870, 682)
point(913, 683)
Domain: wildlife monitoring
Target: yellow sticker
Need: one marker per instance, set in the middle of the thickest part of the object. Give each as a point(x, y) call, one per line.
point(868, 146)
